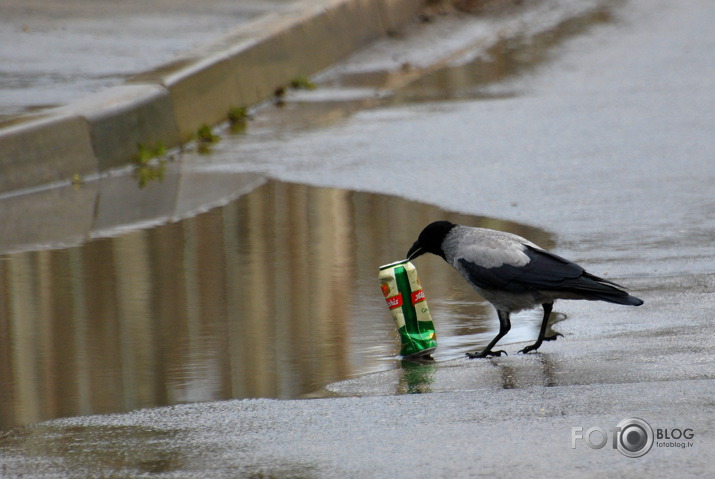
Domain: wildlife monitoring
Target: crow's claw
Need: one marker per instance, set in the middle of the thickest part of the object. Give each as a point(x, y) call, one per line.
point(536, 345)
point(485, 354)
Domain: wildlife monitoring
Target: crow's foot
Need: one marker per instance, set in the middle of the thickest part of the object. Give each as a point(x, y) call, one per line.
point(537, 344)
point(486, 354)
point(530, 348)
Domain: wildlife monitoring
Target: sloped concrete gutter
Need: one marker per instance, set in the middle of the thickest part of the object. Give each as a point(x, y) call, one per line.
point(167, 105)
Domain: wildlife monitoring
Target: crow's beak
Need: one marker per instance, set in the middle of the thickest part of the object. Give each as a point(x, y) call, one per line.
point(415, 251)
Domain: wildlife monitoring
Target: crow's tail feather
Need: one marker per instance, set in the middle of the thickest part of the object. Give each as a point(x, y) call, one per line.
point(595, 288)
point(623, 298)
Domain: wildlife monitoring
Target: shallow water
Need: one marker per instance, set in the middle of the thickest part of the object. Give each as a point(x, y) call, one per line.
point(272, 294)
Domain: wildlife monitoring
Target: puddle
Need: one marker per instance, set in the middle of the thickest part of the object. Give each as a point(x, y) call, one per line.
point(271, 294)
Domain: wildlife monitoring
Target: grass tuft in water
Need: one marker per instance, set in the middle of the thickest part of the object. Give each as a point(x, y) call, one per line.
point(149, 163)
point(205, 138)
point(238, 119)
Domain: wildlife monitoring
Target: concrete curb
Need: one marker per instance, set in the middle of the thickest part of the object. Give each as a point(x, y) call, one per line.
point(167, 105)
point(43, 151)
point(120, 117)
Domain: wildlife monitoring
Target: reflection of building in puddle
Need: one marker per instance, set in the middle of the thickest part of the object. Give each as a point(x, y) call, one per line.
point(244, 300)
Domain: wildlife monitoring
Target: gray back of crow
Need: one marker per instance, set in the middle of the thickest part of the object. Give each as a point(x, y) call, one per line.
point(495, 261)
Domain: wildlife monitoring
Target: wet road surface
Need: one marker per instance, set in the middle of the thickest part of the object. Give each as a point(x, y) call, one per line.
point(608, 144)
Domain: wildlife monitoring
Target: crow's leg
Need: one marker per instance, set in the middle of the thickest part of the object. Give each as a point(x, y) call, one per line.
point(542, 332)
point(504, 327)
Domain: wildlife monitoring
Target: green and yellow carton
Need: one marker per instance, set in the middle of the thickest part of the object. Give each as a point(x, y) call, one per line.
point(404, 295)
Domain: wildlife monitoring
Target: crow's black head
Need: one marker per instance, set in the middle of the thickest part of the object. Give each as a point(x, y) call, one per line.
point(430, 239)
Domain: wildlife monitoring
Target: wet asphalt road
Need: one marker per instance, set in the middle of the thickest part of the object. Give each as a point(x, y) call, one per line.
point(609, 144)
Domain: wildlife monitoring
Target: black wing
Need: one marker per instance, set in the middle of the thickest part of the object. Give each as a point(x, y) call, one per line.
point(546, 272)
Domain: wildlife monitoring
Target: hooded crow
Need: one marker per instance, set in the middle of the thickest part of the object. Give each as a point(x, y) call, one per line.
point(513, 274)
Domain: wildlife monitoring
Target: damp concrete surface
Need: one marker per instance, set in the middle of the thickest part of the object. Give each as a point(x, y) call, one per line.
point(605, 141)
